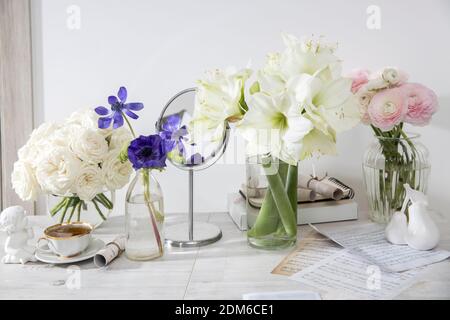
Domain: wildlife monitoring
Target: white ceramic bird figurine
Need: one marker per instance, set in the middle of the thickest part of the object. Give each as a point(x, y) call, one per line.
point(14, 222)
point(397, 228)
point(423, 233)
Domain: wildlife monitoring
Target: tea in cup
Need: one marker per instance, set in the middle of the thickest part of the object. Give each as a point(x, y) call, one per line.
point(66, 239)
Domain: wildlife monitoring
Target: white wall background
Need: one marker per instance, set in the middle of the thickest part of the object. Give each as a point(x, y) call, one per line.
point(157, 48)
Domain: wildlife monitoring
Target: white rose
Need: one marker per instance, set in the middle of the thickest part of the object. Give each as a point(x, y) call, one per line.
point(43, 132)
point(89, 146)
point(57, 170)
point(24, 181)
point(87, 118)
point(63, 136)
point(119, 137)
point(89, 182)
point(116, 174)
point(30, 153)
point(32, 150)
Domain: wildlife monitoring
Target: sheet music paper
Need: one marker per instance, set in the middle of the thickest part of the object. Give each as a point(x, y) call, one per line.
point(305, 255)
point(369, 242)
point(347, 276)
point(282, 295)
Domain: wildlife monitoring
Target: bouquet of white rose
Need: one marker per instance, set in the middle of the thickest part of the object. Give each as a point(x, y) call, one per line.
point(75, 161)
point(293, 109)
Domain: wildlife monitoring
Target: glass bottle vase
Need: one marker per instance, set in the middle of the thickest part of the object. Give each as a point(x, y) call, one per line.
point(271, 203)
point(144, 217)
point(388, 164)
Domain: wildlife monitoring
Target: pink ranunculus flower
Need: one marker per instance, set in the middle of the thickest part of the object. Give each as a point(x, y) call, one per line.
point(387, 108)
point(360, 77)
point(421, 103)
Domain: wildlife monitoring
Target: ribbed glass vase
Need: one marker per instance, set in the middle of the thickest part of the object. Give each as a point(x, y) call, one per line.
point(388, 164)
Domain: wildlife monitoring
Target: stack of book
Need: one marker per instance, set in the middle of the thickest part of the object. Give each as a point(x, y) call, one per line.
point(333, 203)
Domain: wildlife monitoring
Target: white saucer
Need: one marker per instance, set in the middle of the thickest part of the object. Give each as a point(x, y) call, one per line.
point(91, 250)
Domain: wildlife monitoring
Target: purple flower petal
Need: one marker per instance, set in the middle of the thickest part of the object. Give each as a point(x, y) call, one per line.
point(147, 152)
point(135, 106)
point(131, 114)
point(101, 111)
point(118, 120)
point(112, 100)
point(172, 123)
point(122, 94)
point(104, 122)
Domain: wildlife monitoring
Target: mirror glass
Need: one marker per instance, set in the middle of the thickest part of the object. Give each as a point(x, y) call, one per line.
point(175, 120)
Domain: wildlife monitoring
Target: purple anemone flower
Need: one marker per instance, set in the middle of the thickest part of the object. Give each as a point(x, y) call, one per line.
point(173, 131)
point(119, 108)
point(148, 152)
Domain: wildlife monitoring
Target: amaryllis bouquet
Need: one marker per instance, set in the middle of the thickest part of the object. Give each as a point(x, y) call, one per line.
point(75, 161)
point(387, 102)
point(292, 109)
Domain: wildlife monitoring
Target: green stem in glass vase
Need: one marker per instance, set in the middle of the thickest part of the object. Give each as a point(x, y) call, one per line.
point(151, 209)
point(94, 201)
point(268, 220)
point(282, 202)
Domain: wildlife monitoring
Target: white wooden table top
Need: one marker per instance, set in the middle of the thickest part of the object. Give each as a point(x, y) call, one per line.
point(224, 270)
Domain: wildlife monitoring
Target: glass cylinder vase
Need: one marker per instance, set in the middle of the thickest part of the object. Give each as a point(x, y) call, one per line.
point(388, 164)
point(144, 217)
point(70, 208)
point(271, 203)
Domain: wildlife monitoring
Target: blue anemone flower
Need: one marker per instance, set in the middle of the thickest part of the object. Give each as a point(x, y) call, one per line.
point(173, 131)
point(119, 108)
point(148, 152)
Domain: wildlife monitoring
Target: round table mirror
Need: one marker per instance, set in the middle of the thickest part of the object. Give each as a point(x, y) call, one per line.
point(175, 118)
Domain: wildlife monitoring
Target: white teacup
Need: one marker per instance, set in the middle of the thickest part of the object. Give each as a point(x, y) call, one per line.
point(66, 239)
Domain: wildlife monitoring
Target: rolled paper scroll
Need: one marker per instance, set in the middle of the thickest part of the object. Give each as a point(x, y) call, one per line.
point(255, 194)
point(320, 187)
point(111, 251)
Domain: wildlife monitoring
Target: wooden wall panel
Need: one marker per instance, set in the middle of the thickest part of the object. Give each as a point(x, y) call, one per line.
point(16, 95)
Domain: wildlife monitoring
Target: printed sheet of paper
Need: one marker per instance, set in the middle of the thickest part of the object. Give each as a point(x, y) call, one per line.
point(348, 276)
point(369, 242)
point(282, 295)
point(305, 255)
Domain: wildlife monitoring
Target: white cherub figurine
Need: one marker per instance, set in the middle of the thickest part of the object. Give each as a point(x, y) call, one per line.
point(15, 223)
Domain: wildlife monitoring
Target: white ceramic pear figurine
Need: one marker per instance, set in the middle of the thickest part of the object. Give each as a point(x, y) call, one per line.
point(397, 228)
point(14, 222)
point(423, 233)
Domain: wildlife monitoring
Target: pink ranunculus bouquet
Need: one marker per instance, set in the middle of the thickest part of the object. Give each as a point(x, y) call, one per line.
point(387, 101)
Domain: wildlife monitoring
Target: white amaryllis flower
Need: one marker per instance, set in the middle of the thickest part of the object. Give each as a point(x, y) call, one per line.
point(329, 104)
point(24, 181)
point(57, 170)
point(274, 125)
point(218, 100)
point(115, 173)
point(89, 182)
point(89, 145)
point(307, 56)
